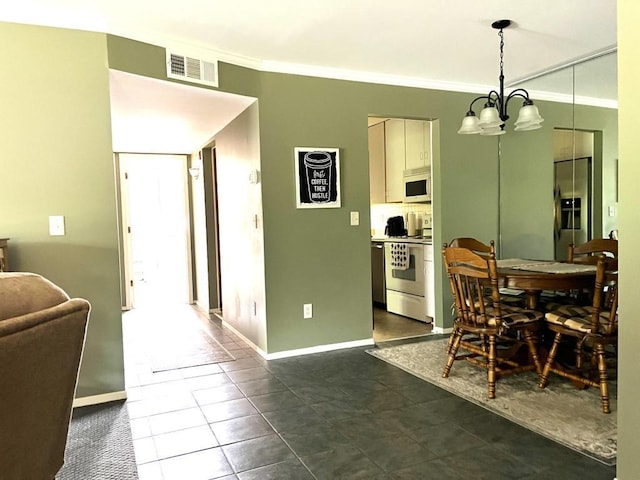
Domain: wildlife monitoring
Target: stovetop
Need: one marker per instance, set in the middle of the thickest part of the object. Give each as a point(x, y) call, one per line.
point(405, 238)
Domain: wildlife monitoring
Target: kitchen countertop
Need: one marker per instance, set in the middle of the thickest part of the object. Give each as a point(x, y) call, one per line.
point(417, 239)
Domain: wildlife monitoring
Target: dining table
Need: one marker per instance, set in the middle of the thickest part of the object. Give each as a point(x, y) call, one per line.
point(532, 277)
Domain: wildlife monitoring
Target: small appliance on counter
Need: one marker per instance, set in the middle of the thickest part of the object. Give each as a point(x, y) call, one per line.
point(395, 227)
point(411, 224)
point(427, 225)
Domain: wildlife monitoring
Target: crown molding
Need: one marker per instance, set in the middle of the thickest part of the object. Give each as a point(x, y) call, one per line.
point(340, 74)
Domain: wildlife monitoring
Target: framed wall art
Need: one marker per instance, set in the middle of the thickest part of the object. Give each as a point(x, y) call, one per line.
point(317, 177)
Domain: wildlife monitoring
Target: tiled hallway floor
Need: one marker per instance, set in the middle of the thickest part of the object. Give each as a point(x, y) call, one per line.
point(336, 415)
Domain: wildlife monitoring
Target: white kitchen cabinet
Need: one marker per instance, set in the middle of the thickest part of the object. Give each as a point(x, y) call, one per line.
point(395, 158)
point(417, 144)
point(377, 163)
point(429, 281)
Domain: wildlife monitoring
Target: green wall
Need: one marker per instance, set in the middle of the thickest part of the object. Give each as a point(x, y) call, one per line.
point(56, 157)
point(55, 145)
point(315, 256)
point(527, 177)
point(310, 256)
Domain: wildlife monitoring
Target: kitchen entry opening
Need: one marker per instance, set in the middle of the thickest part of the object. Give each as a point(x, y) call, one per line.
point(401, 151)
point(155, 225)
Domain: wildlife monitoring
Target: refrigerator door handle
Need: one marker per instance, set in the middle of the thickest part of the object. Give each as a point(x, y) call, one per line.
point(557, 212)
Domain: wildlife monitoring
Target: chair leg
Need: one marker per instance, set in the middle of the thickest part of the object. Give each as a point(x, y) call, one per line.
point(451, 337)
point(579, 357)
point(602, 374)
point(544, 376)
point(455, 338)
point(533, 351)
point(491, 367)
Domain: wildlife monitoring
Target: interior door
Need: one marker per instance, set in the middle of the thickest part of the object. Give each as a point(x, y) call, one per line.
point(158, 260)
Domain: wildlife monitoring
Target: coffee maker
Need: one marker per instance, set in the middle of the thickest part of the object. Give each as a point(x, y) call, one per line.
point(395, 227)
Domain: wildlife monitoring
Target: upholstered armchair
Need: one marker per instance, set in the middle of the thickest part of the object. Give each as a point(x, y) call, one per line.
point(42, 333)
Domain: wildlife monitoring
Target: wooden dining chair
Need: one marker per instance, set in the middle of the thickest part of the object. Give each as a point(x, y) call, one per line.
point(482, 249)
point(479, 248)
point(481, 326)
point(590, 251)
point(474, 245)
point(593, 328)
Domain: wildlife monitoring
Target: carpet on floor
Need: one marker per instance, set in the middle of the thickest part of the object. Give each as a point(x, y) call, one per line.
point(559, 412)
point(182, 347)
point(99, 444)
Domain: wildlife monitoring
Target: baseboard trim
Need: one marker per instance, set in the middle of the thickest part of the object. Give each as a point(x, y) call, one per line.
point(300, 351)
point(440, 330)
point(253, 346)
point(319, 349)
point(98, 399)
point(203, 309)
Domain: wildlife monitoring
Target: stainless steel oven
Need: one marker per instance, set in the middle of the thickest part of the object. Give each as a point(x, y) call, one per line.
point(405, 284)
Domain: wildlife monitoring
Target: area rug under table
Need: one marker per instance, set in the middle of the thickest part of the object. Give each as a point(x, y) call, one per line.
point(559, 412)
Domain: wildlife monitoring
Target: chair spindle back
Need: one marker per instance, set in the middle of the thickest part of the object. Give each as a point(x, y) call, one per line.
point(469, 276)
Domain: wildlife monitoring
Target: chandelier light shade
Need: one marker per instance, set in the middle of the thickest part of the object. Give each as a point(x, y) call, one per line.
point(494, 113)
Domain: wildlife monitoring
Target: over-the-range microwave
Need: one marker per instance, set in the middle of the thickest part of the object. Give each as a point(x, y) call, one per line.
point(416, 185)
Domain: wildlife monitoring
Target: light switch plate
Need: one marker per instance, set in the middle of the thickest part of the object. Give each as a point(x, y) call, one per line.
point(307, 310)
point(355, 219)
point(56, 225)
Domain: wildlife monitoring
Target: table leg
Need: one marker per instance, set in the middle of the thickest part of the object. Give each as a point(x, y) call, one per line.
point(532, 297)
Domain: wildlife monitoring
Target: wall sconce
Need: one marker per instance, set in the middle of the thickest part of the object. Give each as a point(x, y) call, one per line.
point(194, 172)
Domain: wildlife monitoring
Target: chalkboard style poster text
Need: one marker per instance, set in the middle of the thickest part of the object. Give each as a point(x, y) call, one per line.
point(317, 177)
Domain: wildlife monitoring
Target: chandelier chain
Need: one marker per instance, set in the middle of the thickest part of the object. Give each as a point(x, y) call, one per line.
point(501, 34)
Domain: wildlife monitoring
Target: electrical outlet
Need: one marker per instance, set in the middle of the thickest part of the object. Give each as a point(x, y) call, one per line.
point(355, 219)
point(307, 310)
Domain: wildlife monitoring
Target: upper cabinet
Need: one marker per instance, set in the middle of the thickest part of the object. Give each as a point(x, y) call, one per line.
point(395, 158)
point(407, 146)
point(377, 163)
point(417, 136)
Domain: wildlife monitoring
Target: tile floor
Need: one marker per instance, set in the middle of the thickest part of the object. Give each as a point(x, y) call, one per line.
point(335, 415)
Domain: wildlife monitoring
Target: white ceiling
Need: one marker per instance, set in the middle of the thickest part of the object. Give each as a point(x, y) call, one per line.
point(446, 44)
point(154, 116)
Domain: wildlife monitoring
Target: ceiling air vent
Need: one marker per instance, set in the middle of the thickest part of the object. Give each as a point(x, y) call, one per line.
point(192, 69)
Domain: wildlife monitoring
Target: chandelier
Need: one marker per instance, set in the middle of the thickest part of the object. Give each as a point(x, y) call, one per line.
point(494, 114)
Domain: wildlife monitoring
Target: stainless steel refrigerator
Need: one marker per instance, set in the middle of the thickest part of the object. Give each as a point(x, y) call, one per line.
point(572, 198)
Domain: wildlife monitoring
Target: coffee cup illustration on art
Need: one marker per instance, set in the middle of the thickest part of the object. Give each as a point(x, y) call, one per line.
point(317, 166)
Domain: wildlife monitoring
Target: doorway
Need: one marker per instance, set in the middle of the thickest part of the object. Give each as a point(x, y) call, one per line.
point(155, 214)
point(385, 194)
